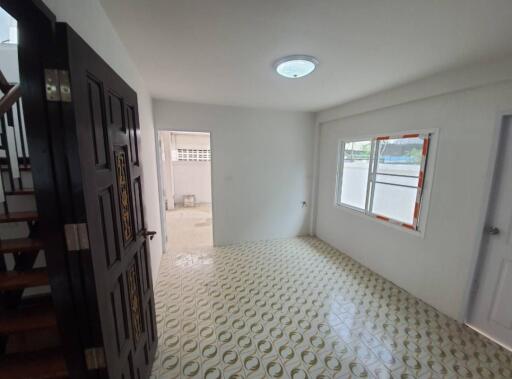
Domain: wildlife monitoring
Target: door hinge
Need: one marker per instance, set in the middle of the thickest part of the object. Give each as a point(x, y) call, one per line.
point(77, 237)
point(58, 87)
point(95, 358)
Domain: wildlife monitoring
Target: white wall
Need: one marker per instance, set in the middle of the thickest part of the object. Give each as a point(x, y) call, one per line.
point(261, 167)
point(192, 178)
point(89, 20)
point(192, 140)
point(9, 62)
point(438, 267)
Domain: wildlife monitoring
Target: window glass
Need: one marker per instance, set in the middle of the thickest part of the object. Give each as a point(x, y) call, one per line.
point(395, 202)
point(8, 28)
point(354, 180)
point(383, 177)
point(397, 174)
point(400, 156)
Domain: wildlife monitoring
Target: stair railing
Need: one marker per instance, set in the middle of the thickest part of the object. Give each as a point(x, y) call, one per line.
point(14, 154)
point(14, 157)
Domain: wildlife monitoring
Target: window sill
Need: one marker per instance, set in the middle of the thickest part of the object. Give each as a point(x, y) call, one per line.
point(417, 233)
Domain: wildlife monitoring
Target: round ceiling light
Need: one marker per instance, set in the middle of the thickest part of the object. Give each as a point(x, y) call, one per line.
point(296, 66)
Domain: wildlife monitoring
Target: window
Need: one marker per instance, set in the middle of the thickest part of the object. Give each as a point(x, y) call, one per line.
point(194, 155)
point(8, 28)
point(384, 177)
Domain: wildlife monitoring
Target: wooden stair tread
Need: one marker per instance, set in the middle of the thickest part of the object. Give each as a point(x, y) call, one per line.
point(45, 364)
point(27, 318)
point(18, 217)
point(16, 245)
point(20, 192)
point(13, 280)
point(5, 169)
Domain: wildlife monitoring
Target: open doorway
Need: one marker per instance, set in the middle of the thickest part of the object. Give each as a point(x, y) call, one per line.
point(187, 190)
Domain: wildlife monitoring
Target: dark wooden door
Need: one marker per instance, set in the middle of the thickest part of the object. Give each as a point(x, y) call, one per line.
point(102, 144)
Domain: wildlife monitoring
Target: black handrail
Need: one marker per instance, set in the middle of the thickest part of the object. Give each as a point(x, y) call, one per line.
point(12, 95)
point(5, 86)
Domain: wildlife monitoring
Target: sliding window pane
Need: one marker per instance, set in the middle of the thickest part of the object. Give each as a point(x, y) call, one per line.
point(395, 202)
point(354, 173)
point(400, 156)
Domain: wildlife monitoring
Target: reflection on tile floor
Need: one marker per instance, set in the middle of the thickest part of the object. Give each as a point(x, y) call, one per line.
point(298, 308)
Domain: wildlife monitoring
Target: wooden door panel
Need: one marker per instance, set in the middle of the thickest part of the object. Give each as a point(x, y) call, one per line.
point(127, 372)
point(139, 210)
point(133, 280)
point(106, 128)
point(108, 226)
point(133, 134)
point(144, 264)
point(99, 129)
point(115, 104)
point(124, 193)
point(119, 314)
point(150, 317)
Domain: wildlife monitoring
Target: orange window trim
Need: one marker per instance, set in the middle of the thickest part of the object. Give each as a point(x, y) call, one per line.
point(425, 146)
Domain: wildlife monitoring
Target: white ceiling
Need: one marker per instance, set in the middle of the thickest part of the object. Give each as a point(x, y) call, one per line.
point(222, 51)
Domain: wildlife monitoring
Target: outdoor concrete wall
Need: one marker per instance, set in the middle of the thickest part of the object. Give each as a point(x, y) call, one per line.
point(190, 177)
point(192, 141)
point(89, 20)
point(261, 167)
point(465, 105)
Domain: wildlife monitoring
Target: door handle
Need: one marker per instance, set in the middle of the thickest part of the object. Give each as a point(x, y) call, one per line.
point(148, 233)
point(493, 230)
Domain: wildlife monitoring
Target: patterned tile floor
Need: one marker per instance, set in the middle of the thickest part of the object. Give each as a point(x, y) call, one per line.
point(298, 308)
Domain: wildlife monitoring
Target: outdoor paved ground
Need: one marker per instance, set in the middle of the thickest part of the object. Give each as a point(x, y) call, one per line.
point(189, 228)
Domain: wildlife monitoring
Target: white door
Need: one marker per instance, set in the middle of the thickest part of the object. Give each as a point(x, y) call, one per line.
point(491, 312)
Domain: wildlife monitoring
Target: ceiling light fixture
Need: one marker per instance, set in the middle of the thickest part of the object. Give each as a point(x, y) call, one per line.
point(296, 66)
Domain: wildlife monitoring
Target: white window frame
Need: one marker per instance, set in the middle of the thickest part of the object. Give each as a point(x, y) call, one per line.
point(423, 193)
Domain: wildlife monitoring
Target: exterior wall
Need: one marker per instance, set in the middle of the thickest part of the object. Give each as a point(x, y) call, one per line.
point(191, 177)
point(261, 167)
point(192, 141)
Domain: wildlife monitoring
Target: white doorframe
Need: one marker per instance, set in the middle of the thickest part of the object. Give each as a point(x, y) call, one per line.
point(161, 204)
point(163, 218)
point(479, 251)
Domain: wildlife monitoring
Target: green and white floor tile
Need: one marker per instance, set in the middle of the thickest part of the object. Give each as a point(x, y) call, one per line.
point(298, 308)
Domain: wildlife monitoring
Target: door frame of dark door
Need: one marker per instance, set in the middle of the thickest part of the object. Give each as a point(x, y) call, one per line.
point(76, 56)
point(36, 51)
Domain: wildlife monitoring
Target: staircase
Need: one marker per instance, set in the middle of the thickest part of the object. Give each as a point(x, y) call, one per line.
point(30, 346)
